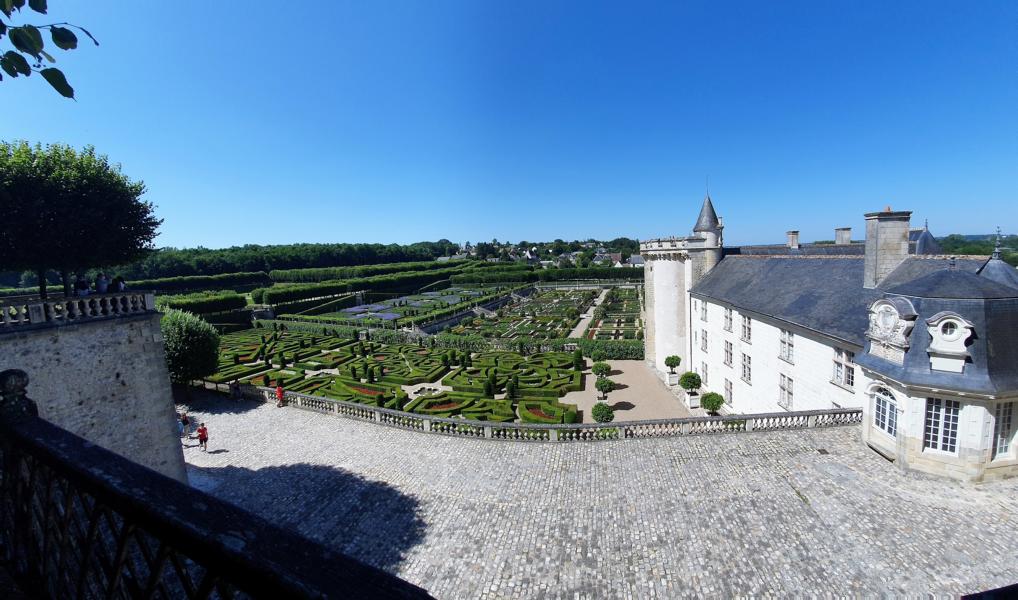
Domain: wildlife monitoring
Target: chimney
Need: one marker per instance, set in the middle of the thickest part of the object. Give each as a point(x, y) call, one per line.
point(886, 244)
point(843, 236)
point(793, 240)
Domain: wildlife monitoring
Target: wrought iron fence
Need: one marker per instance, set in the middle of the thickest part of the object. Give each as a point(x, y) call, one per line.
point(78, 521)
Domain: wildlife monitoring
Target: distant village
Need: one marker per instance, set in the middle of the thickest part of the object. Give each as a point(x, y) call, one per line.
point(620, 253)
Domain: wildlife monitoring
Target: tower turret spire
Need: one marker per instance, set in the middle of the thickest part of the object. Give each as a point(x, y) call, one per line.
point(708, 219)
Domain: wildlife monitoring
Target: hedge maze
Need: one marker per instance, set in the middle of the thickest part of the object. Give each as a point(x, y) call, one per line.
point(487, 386)
point(549, 314)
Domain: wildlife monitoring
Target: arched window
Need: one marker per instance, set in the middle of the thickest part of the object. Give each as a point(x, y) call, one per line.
point(885, 411)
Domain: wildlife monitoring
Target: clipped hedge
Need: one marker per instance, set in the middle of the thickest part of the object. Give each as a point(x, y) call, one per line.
point(515, 275)
point(334, 273)
point(200, 282)
point(395, 281)
point(203, 303)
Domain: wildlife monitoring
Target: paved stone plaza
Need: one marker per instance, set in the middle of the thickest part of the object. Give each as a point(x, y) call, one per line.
point(718, 516)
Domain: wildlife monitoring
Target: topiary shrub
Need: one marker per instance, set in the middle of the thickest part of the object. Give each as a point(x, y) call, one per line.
point(712, 402)
point(191, 344)
point(604, 385)
point(601, 369)
point(690, 381)
point(598, 355)
point(671, 362)
point(602, 413)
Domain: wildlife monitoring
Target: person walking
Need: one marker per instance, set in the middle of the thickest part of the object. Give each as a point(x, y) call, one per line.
point(203, 437)
point(185, 423)
point(280, 395)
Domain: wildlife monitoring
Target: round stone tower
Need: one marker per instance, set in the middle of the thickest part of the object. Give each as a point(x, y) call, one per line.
point(673, 266)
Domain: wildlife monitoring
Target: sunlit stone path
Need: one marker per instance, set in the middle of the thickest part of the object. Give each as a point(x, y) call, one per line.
point(737, 514)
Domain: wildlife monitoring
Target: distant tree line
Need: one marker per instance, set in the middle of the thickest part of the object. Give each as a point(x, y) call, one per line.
point(178, 262)
point(966, 244)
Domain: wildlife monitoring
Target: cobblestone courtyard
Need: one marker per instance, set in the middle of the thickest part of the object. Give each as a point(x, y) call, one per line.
point(718, 516)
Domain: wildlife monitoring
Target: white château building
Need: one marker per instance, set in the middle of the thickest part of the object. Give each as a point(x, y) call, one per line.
point(922, 342)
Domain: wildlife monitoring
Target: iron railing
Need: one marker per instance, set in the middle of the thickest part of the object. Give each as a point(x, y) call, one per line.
point(78, 521)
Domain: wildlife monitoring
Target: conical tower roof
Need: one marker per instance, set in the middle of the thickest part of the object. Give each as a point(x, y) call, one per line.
point(708, 219)
point(927, 244)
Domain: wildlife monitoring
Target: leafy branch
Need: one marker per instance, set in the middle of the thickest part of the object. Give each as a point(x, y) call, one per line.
point(29, 47)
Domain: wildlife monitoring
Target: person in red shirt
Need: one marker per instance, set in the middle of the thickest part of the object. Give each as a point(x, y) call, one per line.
point(279, 395)
point(203, 438)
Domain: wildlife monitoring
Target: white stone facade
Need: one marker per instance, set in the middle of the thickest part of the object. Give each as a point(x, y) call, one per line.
point(811, 368)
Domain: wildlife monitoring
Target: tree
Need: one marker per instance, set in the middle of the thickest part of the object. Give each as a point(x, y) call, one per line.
point(191, 344)
point(598, 355)
point(604, 385)
point(671, 362)
point(602, 413)
point(578, 363)
point(69, 210)
point(690, 381)
point(712, 402)
point(601, 369)
point(28, 53)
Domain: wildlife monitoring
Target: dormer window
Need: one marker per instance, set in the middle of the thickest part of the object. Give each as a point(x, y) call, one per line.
point(949, 334)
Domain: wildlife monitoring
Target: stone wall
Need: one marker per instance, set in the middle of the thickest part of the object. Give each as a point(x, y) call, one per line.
point(104, 380)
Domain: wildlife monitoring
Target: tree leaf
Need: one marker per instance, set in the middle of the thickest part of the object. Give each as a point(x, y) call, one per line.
point(47, 55)
point(38, 6)
point(8, 67)
point(27, 39)
point(3, 29)
point(64, 38)
point(56, 78)
point(6, 6)
point(17, 62)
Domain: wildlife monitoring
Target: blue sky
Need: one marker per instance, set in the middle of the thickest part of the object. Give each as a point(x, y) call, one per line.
point(258, 122)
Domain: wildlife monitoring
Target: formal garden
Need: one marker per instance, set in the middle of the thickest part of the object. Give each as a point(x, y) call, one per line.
point(498, 386)
point(402, 311)
point(618, 317)
point(549, 314)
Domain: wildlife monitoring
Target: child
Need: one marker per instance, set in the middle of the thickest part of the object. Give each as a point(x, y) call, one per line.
point(203, 438)
point(280, 396)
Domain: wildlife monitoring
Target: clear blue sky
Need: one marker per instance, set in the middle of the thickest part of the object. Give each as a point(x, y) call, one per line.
point(401, 121)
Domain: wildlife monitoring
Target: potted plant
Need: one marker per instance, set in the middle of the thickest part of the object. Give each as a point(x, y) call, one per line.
point(712, 402)
point(671, 362)
point(691, 382)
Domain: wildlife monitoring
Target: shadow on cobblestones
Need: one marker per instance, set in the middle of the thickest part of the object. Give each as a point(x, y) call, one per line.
point(369, 520)
point(212, 403)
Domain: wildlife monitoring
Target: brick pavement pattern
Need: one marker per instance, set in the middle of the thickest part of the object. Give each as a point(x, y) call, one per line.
point(706, 516)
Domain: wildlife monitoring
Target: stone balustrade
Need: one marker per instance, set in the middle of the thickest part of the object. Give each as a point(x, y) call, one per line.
point(526, 432)
point(22, 311)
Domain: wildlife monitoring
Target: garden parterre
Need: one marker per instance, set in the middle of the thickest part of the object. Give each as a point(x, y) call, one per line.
point(618, 317)
point(477, 386)
point(549, 314)
point(415, 309)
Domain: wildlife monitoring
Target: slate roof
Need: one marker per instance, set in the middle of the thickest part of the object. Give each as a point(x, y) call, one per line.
point(925, 243)
point(708, 219)
point(1001, 272)
point(954, 284)
point(992, 353)
point(821, 293)
point(853, 249)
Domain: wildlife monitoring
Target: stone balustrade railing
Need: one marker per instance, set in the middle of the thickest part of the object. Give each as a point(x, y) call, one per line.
point(527, 432)
point(35, 311)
